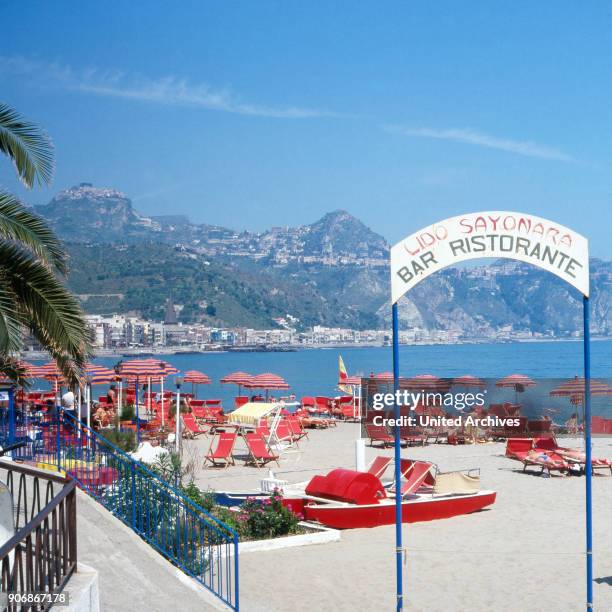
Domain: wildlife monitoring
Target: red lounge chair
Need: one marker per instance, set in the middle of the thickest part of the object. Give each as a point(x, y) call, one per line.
point(411, 436)
point(222, 455)
point(296, 429)
point(308, 403)
point(379, 465)
point(323, 404)
point(191, 426)
point(417, 474)
point(240, 400)
point(518, 448)
point(260, 453)
point(547, 460)
point(199, 412)
point(379, 433)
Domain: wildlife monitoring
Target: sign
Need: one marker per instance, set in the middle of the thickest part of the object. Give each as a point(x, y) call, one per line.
point(497, 234)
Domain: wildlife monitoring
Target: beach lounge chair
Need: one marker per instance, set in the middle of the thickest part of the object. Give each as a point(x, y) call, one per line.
point(222, 455)
point(192, 429)
point(547, 460)
point(574, 456)
point(416, 475)
point(411, 436)
point(259, 452)
point(518, 448)
point(379, 465)
point(296, 428)
point(379, 434)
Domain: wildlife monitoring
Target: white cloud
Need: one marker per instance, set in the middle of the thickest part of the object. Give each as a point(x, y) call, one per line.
point(167, 90)
point(469, 136)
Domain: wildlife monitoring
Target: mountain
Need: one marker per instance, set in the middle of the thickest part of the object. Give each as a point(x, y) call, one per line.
point(333, 272)
point(86, 213)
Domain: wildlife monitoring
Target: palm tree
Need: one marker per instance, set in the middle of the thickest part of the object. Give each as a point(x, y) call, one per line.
point(33, 263)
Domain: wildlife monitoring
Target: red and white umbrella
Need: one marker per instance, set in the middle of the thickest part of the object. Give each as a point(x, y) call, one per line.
point(469, 381)
point(237, 378)
point(149, 369)
point(267, 381)
point(352, 381)
point(575, 389)
point(518, 382)
point(196, 378)
point(426, 382)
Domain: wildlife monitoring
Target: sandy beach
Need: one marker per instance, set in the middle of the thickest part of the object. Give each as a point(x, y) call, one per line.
point(524, 553)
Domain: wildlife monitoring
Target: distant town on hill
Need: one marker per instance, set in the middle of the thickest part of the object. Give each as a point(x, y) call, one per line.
point(332, 273)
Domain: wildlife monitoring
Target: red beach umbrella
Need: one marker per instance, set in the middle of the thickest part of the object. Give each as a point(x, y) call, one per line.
point(575, 389)
point(426, 382)
point(353, 381)
point(267, 381)
point(469, 381)
point(518, 382)
point(237, 378)
point(99, 375)
point(149, 369)
point(196, 378)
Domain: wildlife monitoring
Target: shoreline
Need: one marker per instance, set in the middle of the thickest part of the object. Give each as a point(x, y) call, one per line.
point(153, 351)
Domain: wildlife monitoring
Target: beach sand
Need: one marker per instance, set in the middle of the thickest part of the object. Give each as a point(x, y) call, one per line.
point(526, 552)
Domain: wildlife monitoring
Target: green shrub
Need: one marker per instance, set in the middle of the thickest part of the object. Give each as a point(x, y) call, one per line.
point(125, 440)
point(268, 518)
point(128, 412)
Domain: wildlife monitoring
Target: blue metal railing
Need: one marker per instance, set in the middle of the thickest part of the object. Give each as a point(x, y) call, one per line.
point(182, 531)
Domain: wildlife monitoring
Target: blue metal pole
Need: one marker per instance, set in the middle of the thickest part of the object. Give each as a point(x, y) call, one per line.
point(11, 415)
point(398, 496)
point(588, 467)
point(236, 576)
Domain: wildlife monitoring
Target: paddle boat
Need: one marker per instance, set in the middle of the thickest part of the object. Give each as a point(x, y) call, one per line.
point(348, 499)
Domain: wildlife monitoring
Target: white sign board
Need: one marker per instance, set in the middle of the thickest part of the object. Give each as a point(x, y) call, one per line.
point(510, 235)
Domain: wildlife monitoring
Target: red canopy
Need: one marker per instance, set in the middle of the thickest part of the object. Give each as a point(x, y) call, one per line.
point(267, 381)
point(385, 376)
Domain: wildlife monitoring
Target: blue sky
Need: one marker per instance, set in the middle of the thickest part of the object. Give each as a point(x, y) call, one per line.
point(253, 114)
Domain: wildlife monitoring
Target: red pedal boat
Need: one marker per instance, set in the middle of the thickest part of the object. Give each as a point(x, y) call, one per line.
point(346, 499)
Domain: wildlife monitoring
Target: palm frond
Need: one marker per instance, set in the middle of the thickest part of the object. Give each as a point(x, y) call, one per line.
point(11, 321)
point(19, 224)
point(27, 145)
point(12, 369)
point(50, 309)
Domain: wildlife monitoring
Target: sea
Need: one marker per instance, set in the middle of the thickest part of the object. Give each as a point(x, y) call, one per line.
point(315, 371)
